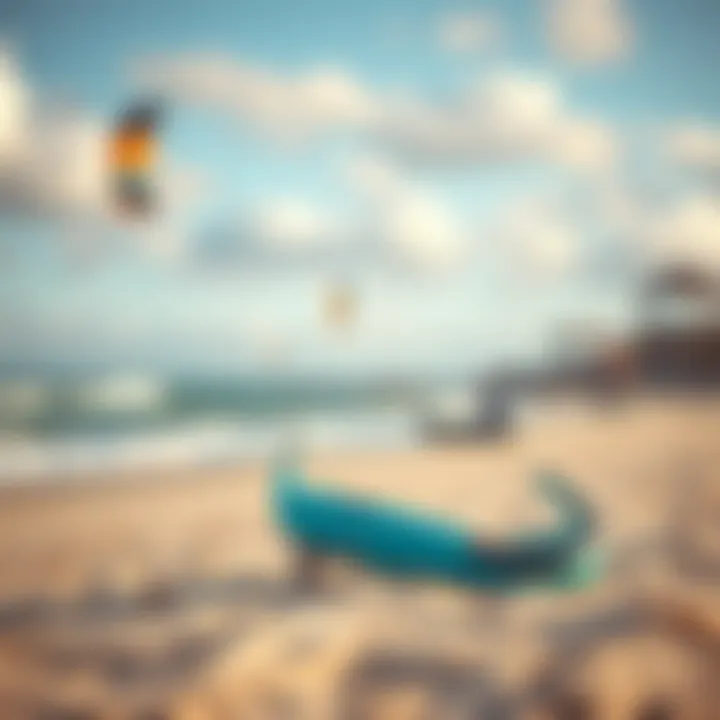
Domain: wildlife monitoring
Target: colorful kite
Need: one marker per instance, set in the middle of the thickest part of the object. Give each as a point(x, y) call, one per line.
point(133, 155)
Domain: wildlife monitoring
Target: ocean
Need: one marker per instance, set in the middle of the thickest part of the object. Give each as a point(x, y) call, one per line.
point(54, 425)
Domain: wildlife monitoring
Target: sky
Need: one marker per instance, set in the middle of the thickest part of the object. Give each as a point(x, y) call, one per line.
point(481, 174)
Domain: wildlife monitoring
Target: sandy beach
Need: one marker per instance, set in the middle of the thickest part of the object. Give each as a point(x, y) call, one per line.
point(169, 594)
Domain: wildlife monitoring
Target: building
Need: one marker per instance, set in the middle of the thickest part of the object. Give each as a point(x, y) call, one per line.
point(678, 343)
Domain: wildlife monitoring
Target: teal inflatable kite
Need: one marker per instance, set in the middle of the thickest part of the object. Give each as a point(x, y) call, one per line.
point(403, 543)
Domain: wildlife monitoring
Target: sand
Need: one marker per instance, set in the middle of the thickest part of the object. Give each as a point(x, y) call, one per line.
point(169, 594)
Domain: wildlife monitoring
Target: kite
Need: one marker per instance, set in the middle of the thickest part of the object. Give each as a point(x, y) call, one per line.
point(402, 543)
point(340, 306)
point(132, 158)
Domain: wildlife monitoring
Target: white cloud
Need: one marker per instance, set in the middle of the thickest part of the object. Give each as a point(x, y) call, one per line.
point(468, 32)
point(585, 145)
point(323, 99)
point(51, 162)
point(695, 145)
point(332, 97)
point(69, 161)
point(645, 232)
point(60, 172)
point(509, 117)
point(687, 231)
point(425, 231)
point(292, 224)
point(553, 247)
point(528, 103)
point(539, 239)
point(282, 233)
point(376, 179)
point(589, 31)
point(407, 220)
point(393, 220)
point(14, 109)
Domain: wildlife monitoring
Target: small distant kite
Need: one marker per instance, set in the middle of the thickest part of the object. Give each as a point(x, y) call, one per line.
point(132, 158)
point(340, 306)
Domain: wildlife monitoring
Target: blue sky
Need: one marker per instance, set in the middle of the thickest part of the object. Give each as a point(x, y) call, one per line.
point(82, 48)
point(477, 238)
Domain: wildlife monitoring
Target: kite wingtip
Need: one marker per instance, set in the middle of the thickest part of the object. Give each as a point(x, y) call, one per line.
point(586, 570)
point(581, 517)
point(554, 483)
